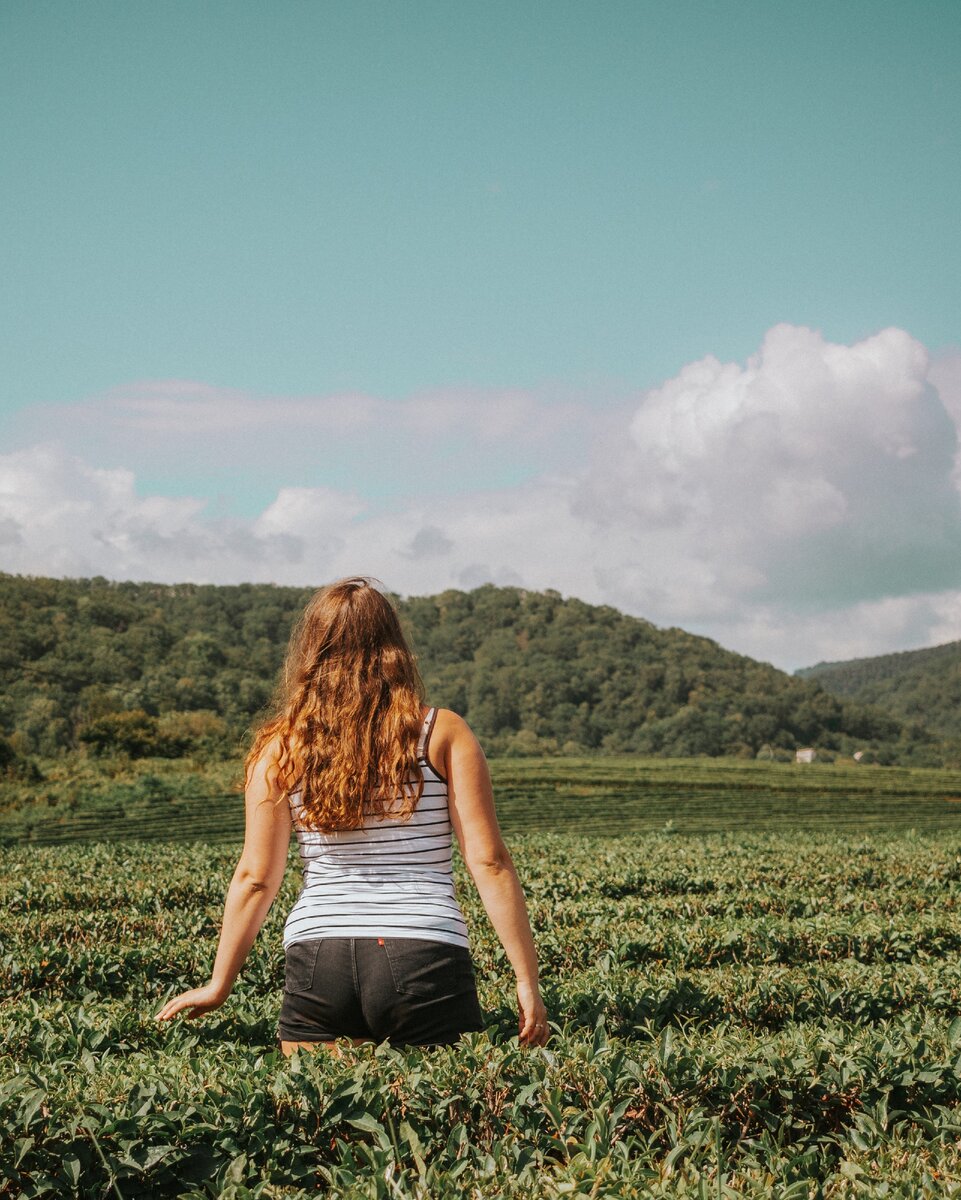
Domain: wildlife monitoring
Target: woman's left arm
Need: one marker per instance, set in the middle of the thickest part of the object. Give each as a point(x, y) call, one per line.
point(252, 890)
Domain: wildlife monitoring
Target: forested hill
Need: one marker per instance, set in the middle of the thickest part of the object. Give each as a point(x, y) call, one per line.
point(147, 669)
point(916, 685)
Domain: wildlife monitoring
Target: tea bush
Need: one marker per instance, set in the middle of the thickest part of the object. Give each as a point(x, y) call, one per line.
point(748, 1015)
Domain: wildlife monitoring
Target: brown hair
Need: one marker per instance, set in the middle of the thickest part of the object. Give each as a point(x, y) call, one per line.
point(347, 711)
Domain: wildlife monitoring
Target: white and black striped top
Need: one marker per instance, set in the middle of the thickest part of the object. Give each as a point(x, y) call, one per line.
point(391, 878)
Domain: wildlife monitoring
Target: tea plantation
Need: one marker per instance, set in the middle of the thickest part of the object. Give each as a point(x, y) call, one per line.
point(750, 1012)
point(581, 795)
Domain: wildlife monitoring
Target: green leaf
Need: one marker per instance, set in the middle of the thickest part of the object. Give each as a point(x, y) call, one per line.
point(366, 1123)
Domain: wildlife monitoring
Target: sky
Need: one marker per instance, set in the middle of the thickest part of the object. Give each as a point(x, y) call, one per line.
point(654, 304)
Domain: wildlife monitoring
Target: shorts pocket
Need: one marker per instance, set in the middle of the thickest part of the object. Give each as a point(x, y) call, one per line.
point(300, 959)
point(425, 968)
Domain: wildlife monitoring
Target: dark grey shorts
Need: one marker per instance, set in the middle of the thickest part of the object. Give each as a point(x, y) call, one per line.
point(407, 991)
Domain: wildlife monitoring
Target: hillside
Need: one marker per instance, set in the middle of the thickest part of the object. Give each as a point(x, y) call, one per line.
point(153, 670)
point(922, 686)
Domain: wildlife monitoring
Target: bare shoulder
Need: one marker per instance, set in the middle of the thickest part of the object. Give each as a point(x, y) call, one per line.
point(262, 773)
point(454, 749)
point(448, 724)
point(469, 788)
point(450, 730)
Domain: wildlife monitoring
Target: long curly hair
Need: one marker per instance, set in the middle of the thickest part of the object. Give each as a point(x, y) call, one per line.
point(347, 714)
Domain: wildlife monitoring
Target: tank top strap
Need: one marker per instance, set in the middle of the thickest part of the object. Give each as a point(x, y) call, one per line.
point(425, 732)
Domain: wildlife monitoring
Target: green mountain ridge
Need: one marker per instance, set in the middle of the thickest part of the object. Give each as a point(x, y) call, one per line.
point(97, 667)
point(920, 686)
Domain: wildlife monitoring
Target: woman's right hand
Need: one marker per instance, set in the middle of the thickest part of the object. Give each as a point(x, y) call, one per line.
point(195, 1003)
point(531, 1015)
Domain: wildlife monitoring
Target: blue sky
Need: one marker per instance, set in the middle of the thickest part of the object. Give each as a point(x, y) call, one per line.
point(417, 260)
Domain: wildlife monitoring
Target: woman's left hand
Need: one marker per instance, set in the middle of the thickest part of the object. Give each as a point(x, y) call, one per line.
point(198, 1001)
point(531, 1015)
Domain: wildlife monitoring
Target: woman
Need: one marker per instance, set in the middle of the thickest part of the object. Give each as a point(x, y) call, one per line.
point(372, 781)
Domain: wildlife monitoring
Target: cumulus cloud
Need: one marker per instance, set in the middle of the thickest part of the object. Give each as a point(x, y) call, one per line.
point(944, 375)
point(813, 476)
point(65, 517)
point(428, 542)
point(802, 505)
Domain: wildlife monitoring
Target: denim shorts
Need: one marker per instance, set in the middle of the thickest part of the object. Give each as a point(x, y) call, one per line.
point(406, 991)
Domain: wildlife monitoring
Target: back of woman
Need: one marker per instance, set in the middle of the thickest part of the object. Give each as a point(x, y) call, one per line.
point(376, 945)
point(397, 873)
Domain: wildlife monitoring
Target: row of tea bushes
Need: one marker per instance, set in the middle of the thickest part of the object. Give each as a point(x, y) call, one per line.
point(733, 1016)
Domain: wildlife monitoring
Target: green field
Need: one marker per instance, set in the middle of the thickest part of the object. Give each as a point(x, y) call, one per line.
point(767, 1011)
point(580, 795)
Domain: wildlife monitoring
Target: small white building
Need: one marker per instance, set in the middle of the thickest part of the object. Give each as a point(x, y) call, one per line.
point(807, 755)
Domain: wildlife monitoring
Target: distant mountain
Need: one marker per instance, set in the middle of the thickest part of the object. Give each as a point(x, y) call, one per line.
point(146, 669)
point(922, 686)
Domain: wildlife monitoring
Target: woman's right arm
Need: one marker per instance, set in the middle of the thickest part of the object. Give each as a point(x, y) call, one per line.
point(489, 862)
point(254, 886)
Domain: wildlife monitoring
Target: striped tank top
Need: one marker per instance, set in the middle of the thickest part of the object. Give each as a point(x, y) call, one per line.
point(390, 878)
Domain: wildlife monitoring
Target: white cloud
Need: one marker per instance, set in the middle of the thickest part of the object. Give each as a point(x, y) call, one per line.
point(823, 473)
point(944, 375)
point(170, 406)
point(429, 541)
point(803, 505)
point(64, 517)
point(307, 512)
point(447, 440)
